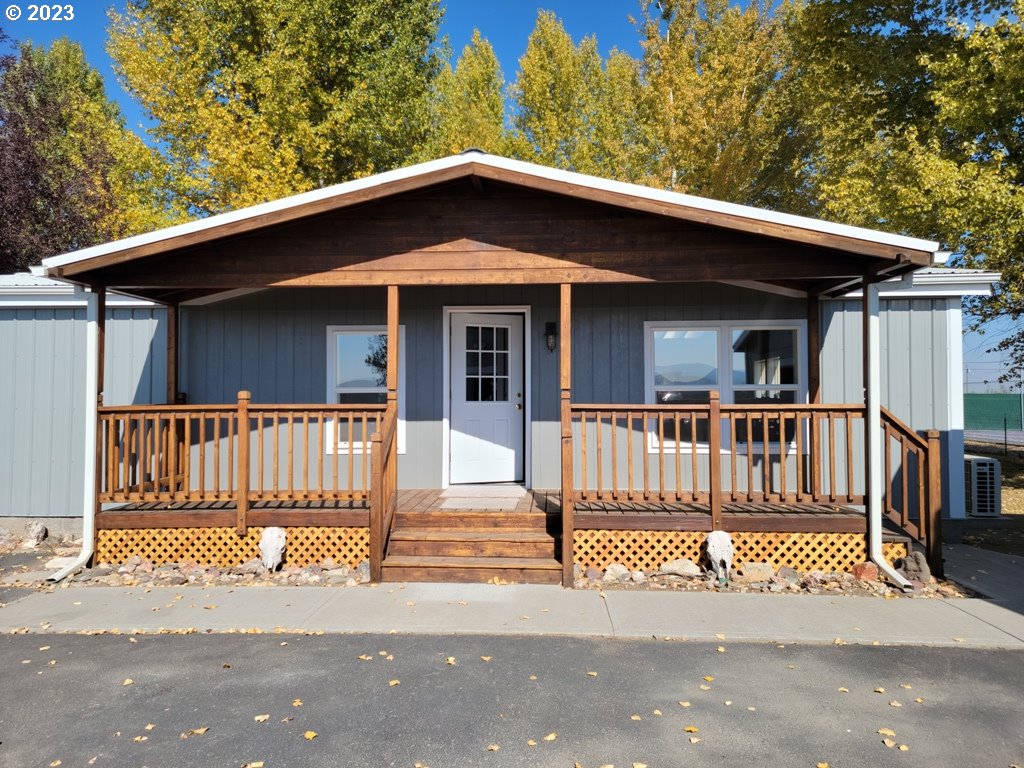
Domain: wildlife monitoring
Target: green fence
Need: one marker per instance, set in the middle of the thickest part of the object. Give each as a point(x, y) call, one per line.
point(993, 411)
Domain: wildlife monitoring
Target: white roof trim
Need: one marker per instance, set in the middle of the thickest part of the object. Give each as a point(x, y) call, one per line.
point(937, 282)
point(24, 289)
point(516, 166)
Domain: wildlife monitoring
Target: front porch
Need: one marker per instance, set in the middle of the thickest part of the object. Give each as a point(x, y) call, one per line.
point(199, 483)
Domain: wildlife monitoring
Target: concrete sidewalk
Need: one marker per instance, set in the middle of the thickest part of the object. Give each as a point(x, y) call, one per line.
point(482, 609)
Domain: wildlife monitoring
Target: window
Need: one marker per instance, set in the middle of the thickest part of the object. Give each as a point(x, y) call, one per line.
point(747, 363)
point(487, 351)
point(357, 374)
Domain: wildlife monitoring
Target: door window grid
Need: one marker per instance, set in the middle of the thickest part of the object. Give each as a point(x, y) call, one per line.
point(487, 360)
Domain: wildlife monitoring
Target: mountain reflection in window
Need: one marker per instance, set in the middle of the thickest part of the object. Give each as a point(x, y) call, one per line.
point(362, 360)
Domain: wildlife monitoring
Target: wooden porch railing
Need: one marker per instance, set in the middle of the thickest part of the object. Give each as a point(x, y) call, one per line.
point(244, 453)
point(784, 454)
point(384, 497)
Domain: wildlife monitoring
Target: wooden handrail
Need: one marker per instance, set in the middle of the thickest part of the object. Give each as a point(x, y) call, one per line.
point(888, 417)
point(240, 452)
point(383, 488)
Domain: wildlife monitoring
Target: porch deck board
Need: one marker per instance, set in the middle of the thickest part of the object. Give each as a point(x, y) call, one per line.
point(605, 514)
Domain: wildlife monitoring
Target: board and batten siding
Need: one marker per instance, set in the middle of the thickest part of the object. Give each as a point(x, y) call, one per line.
point(917, 352)
point(42, 370)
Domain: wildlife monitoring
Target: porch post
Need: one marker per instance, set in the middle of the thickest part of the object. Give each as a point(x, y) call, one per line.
point(101, 340)
point(565, 375)
point(172, 353)
point(392, 375)
point(873, 470)
point(813, 349)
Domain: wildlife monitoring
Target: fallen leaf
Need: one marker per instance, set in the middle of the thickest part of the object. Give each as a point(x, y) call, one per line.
point(656, 713)
point(128, 681)
point(720, 636)
point(486, 658)
point(297, 703)
point(752, 709)
point(531, 743)
point(261, 718)
point(533, 677)
point(44, 648)
point(393, 683)
point(551, 736)
point(844, 690)
point(634, 717)
point(886, 732)
point(524, 617)
point(709, 678)
point(720, 649)
point(209, 607)
point(451, 662)
point(283, 644)
point(879, 690)
point(895, 703)
point(309, 735)
point(366, 657)
point(889, 743)
point(822, 765)
point(903, 748)
point(55, 763)
point(684, 704)
point(958, 639)
point(410, 603)
point(257, 764)
point(140, 739)
point(728, 703)
point(905, 685)
point(225, 666)
point(691, 729)
point(919, 700)
point(287, 719)
point(150, 726)
point(591, 674)
point(639, 765)
point(705, 687)
point(493, 747)
point(695, 740)
point(839, 641)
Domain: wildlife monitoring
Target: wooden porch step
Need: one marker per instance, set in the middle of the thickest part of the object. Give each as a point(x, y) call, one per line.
point(523, 570)
point(461, 519)
point(465, 542)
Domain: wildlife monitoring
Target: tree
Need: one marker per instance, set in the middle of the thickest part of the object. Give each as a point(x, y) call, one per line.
point(716, 88)
point(915, 125)
point(71, 175)
point(571, 109)
point(467, 104)
point(257, 99)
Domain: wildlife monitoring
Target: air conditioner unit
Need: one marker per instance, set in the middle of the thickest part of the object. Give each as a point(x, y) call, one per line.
point(982, 486)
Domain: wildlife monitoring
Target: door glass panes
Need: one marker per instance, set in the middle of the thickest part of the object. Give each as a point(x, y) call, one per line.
point(487, 363)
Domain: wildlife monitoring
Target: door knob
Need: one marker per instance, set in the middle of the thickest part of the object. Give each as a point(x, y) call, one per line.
point(519, 406)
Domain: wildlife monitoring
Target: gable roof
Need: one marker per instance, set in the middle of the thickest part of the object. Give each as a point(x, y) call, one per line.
point(797, 229)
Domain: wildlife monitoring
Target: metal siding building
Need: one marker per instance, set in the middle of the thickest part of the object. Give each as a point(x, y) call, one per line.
point(42, 333)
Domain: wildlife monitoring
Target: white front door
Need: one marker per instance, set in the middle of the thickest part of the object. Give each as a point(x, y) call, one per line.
point(487, 398)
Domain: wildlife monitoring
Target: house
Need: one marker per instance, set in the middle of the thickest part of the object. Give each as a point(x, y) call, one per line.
point(480, 367)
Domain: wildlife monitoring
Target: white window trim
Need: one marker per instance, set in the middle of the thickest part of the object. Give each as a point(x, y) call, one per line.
point(342, 447)
point(725, 386)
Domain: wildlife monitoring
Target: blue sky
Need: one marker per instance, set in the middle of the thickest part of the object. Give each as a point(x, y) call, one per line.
point(507, 25)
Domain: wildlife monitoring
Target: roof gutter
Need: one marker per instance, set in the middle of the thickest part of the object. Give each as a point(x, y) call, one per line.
point(89, 447)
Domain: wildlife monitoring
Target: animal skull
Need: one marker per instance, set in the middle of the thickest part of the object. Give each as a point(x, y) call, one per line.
point(272, 547)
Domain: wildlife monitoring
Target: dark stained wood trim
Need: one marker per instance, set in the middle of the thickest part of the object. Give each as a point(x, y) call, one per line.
point(813, 349)
point(172, 354)
point(225, 518)
point(101, 341)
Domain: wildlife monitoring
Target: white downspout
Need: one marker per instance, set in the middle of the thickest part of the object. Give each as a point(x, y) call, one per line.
point(89, 443)
point(873, 434)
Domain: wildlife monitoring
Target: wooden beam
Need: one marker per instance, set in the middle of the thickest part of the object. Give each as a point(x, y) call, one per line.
point(813, 349)
point(565, 389)
point(101, 341)
point(172, 354)
point(392, 352)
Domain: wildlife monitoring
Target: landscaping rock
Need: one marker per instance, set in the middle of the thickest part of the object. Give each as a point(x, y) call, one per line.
point(594, 574)
point(865, 572)
point(685, 568)
point(8, 541)
point(752, 573)
point(639, 577)
point(791, 575)
point(35, 534)
point(363, 572)
point(616, 572)
point(254, 566)
point(914, 567)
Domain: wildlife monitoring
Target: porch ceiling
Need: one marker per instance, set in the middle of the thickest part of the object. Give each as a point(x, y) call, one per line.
point(476, 219)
